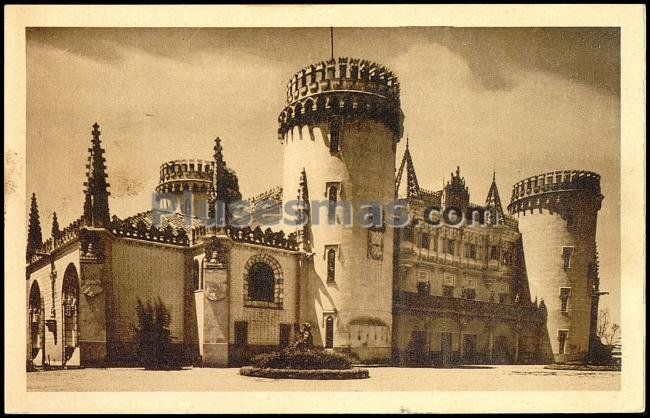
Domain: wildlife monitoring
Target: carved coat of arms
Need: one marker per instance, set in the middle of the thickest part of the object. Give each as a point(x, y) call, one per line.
point(216, 291)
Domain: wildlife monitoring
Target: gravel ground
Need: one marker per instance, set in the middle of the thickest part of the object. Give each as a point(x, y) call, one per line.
point(381, 378)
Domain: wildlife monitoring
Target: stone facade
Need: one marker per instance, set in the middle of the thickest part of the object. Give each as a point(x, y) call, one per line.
point(418, 295)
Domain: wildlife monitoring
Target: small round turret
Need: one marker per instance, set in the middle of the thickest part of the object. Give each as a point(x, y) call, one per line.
point(180, 175)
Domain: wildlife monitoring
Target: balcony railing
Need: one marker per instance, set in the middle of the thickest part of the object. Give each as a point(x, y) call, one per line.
point(429, 303)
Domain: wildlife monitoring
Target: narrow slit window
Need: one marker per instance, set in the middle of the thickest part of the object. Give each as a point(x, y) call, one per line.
point(331, 265)
point(567, 252)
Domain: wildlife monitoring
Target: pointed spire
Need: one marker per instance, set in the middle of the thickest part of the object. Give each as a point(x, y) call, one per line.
point(303, 197)
point(56, 232)
point(412, 186)
point(96, 211)
point(493, 200)
point(34, 236)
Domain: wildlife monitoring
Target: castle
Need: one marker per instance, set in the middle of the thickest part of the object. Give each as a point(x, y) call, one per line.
point(520, 290)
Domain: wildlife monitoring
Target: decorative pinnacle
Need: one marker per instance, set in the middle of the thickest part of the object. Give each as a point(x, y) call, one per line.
point(34, 236)
point(96, 212)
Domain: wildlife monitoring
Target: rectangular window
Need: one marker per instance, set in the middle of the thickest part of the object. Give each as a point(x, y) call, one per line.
point(472, 251)
point(567, 252)
point(562, 336)
point(449, 280)
point(450, 246)
point(241, 333)
point(503, 297)
point(285, 332)
point(469, 294)
point(425, 241)
point(564, 298)
point(494, 252)
point(448, 291)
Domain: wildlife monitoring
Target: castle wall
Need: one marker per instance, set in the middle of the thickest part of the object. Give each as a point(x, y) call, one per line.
point(146, 271)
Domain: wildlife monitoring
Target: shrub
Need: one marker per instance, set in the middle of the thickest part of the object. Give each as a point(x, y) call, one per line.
point(154, 336)
point(291, 358)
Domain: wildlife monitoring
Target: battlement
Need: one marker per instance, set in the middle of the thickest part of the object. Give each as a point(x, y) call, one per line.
point(345, 87)
point(533, 189)
point(66, 235)
point(186, 174)
point(349, 74)
point(187, 169)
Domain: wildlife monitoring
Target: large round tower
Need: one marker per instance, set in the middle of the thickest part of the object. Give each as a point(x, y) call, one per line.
point(557, 214)
point(339, 130)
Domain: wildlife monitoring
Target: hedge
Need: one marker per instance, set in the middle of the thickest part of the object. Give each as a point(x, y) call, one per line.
point(291, 358)
point(304, 374)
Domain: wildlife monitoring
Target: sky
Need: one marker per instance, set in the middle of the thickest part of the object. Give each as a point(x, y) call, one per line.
point(517, 101)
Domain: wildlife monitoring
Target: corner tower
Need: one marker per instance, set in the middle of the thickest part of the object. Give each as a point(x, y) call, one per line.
point(557, 214)
point(341, 124)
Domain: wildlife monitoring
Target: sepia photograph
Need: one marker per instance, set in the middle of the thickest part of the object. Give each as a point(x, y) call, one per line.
point(333, 208)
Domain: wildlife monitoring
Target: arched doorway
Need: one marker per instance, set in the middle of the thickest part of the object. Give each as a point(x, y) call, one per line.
point(36, 323)
point(70, 304)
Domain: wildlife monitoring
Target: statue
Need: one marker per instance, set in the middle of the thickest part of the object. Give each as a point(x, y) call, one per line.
point(304, 340)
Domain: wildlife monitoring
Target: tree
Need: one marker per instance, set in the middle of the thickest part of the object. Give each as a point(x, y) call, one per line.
point(154, 336)
point(607, 331)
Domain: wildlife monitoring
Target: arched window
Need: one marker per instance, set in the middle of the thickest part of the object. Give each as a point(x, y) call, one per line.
point(329, 332)
point(196, 278)
point(332, 196)
point(261, 283)
point(36, 323)
point(331, 265)
point(70, 304)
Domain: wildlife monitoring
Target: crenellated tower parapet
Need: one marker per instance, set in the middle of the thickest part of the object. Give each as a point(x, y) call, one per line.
point(346, 88)
point(555, 191)
point(186, 174)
